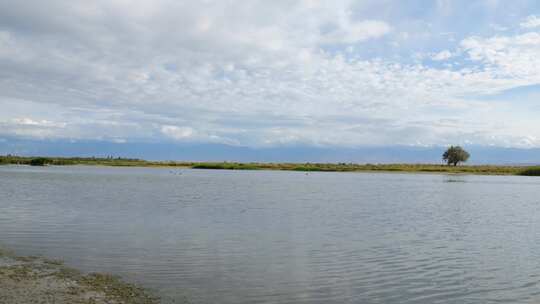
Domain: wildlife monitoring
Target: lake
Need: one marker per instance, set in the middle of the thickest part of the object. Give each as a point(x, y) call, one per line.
point(210, 236)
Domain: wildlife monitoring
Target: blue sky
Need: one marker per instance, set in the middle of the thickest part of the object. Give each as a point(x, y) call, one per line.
point(270, 74)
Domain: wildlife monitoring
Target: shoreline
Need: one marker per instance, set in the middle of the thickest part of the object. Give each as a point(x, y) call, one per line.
point(301, 167)
point(41, 280)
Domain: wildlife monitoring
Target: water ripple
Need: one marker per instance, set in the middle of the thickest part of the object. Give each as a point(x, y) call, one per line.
point(278, 237)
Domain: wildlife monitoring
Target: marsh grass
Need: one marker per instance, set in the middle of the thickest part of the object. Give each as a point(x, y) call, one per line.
point(306, 167)
point(226, 166)
point(350, 167)
point(531, 171)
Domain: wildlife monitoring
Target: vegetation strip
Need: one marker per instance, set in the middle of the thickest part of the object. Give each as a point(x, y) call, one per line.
point(324, 167)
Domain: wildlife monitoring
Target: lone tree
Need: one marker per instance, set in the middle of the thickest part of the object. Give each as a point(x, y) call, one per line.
point(454, 155)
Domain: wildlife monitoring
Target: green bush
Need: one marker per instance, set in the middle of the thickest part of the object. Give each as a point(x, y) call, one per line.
point(532, 171)
point(226, 166)
point(40, 161)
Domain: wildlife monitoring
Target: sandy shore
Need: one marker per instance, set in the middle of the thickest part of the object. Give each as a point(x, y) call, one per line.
point(33, 280)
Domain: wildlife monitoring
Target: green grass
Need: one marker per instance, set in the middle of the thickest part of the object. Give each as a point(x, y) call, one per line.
point(226, 166)
point(40, 161)
point(63, 161)
point(307, 167)
point(329, 167)
point(531, 171)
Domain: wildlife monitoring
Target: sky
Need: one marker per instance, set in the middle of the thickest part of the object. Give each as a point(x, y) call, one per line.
point(270, 74)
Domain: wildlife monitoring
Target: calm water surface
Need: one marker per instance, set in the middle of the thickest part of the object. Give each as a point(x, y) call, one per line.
point(284, 237)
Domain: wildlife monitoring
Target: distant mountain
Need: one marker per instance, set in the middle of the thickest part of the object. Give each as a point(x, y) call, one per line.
point(216, 152)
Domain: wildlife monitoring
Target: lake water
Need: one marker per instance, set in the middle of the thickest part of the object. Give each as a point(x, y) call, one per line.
point(284, 237)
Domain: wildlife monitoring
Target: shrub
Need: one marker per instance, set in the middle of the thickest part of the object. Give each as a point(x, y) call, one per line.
point(40, 161)
point(532, 171)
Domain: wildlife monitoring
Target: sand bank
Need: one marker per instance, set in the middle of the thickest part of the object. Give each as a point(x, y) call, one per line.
point(29, 280)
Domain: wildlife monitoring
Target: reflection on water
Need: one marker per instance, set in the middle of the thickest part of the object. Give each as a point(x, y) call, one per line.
point(455, 179)
point(284, 237)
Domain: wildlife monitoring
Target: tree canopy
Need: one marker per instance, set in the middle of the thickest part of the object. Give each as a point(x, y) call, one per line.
point(455, 155)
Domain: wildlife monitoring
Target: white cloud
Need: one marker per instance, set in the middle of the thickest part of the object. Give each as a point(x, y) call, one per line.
point(119, 140)
point(260, 73)
point(25, 121)
point(179, 133)
point(443, 55)
point(28, 127)
point(531, 22)
point(513, 57)
point(348, 32)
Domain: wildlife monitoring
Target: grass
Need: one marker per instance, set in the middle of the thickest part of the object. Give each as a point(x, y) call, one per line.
point(64, 161)
point(307, 167)
point(226, 166)
point(531, 171)
point(343, 167)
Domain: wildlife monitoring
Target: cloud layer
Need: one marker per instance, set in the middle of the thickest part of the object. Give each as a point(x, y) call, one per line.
point(268, 73)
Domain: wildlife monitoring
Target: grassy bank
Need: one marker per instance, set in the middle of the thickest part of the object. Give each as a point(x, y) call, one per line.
point(38, 280)
point(307, 167)
point(325, 167)
point(64, 161)
point(530, 171)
